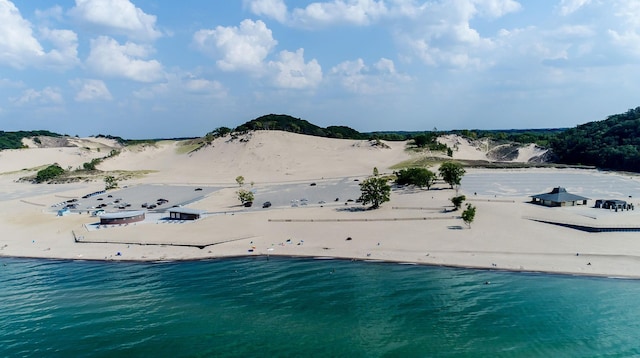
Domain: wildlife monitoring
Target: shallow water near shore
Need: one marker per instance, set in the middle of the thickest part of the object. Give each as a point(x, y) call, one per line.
point(290, 307)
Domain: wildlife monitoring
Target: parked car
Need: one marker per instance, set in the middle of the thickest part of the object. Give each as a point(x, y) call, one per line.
point(198, 189)
point(266, 204)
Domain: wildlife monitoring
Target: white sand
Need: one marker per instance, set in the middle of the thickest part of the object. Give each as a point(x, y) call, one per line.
point(410, 228)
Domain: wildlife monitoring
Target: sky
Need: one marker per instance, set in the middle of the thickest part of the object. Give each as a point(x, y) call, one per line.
point(165, 69)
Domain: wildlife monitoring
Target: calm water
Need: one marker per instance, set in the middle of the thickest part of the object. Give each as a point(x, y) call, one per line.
point(294, 307)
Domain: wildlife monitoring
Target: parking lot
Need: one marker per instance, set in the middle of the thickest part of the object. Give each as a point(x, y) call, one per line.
point(156, 198)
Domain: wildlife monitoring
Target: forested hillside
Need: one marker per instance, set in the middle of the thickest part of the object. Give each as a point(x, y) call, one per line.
point(13, 140)
point(288, 123)
point(613, 143)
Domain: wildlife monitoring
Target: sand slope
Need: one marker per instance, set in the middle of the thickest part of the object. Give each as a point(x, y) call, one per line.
point(261, 156)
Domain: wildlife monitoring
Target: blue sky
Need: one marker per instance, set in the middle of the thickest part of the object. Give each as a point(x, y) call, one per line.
point(159, 68)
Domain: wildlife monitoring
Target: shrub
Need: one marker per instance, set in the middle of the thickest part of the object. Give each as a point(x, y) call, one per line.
point(49, 173)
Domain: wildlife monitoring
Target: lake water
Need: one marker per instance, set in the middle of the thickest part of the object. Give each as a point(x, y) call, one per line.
point(304, 307)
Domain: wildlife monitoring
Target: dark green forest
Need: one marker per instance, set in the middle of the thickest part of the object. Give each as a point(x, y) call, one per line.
point(13, 140)
point(613, 143)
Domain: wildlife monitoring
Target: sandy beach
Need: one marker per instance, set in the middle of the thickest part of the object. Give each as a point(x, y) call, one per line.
point(417, 226)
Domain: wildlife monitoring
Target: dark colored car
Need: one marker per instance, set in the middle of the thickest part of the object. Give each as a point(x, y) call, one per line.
point(266, 204)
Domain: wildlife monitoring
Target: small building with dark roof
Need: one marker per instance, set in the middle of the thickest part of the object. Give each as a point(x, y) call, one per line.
point(612, 204)
point(559, 197)
point(124, 217)
point(179, 213)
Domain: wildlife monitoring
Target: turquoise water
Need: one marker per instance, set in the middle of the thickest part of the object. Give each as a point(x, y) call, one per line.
point(294, 307)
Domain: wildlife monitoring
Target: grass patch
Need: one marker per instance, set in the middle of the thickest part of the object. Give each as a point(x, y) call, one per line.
point(187, 148)
point(419, 162)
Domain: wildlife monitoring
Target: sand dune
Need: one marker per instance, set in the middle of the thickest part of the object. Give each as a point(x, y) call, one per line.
point(416, 226)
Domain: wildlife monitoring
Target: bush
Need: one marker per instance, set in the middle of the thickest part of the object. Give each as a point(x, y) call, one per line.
point(457, 201)
point(49, 173)
point(245, 196)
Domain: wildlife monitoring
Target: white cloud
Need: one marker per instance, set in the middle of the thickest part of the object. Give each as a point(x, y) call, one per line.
point(48, 95)
point(109, 58)
point(177, 86)
point(496, 8)
point(442, 34)
point(627, 34)
point(119, 17)
point(65, 51)
point(91, 90)
point(568, 7)
point(290, 71)
point(19, 48)
point(239, 48)
point(358, 78)
point(275, 9)
point(358, 12)
point(17, 44)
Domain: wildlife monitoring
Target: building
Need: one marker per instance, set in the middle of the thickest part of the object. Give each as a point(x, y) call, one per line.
point(559, 197)
point(179, 213)
point(124, 217)
point(612, 204)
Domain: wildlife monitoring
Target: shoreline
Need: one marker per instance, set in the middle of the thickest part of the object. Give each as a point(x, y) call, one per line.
point(334, 258)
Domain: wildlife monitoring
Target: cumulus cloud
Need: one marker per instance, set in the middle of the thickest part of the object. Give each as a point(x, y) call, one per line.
point(65, 51)
point(48, 96)
point(358, 12)
point(91, 90)
point(442, 35)
point(238, 48)
point(117, 17)
point(275, 9)
point(359, 78)
point(290, 71)
point(19, 47)
point(109, 58)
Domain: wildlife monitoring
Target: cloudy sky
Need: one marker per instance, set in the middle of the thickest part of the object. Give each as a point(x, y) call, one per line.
point(160, 68)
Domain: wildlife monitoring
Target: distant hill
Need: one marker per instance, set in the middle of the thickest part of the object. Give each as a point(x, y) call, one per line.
point(288, 123)
point(613, 143)
point(13, 140)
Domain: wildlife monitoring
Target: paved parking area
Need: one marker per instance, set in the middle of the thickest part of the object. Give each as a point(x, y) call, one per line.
point(137, 195)
point(590, 183)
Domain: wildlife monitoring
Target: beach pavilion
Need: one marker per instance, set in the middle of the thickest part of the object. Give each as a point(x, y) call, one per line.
point(559, 197)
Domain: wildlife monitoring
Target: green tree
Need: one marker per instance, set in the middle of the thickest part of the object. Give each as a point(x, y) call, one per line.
point(415, 176)
point(451, 173)
point(49, 173)
point(245, 196)
point(469, 214)
point(374, 190)
point(457, 201)
point(240, 180)
point(110, 182)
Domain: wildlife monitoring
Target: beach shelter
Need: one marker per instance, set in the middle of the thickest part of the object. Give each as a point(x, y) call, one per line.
point(559, 197)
